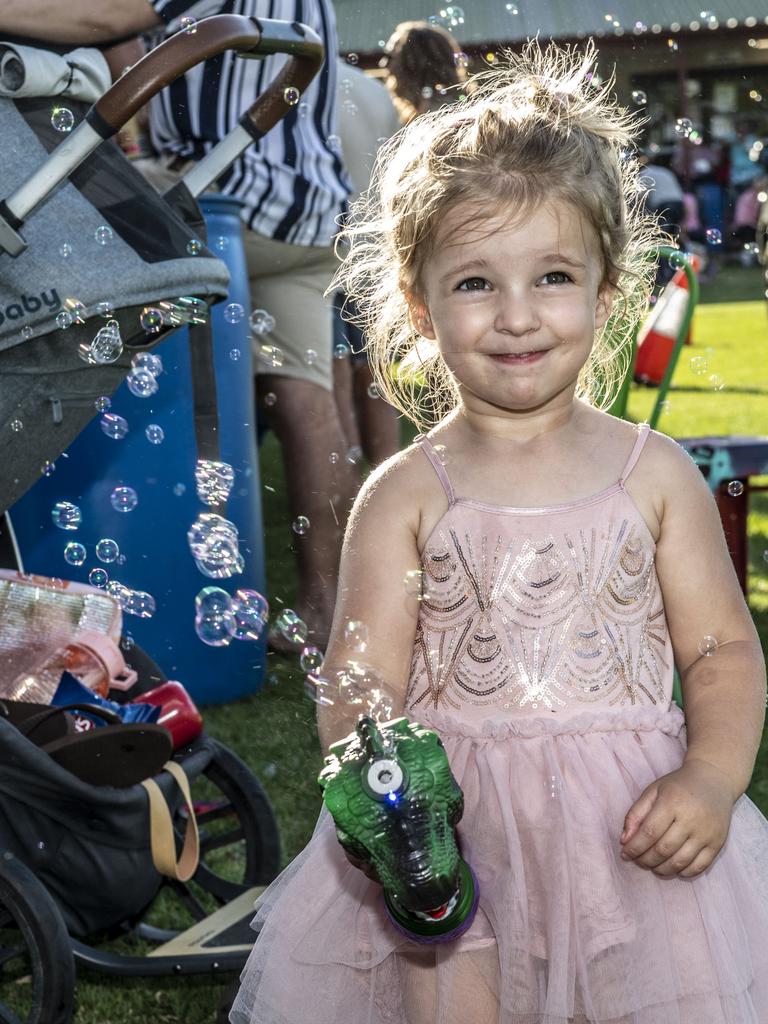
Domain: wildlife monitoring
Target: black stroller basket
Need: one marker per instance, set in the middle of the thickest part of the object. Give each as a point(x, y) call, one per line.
point(60, 282)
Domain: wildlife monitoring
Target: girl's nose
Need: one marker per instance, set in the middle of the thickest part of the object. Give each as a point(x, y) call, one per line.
point(516, 314)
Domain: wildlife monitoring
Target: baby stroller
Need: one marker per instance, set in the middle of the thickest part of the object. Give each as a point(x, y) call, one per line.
point(77, 870)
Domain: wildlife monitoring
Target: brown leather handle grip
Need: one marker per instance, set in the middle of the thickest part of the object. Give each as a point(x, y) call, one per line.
point(250, 37)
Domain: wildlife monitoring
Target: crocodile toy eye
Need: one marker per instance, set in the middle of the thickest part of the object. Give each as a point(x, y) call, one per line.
point(384, 776)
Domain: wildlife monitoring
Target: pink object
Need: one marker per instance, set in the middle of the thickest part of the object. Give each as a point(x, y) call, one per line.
point(746, 209)
point(691, 206)
point(113, 673)
point(543, 661)
point(179, 716)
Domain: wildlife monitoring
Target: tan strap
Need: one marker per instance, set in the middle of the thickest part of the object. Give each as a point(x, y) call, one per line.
point(161, 829)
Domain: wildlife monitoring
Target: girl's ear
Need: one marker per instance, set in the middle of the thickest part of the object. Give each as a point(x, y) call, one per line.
point(419, 315)
point(604, 303)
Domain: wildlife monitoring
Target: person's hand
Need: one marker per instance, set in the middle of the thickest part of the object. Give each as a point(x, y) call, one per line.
point(679, 823)
point(365, 866)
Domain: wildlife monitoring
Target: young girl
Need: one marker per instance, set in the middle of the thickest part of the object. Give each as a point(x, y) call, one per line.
point(569, 561)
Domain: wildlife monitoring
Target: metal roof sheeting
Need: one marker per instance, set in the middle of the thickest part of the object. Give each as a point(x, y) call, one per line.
point(361, 24)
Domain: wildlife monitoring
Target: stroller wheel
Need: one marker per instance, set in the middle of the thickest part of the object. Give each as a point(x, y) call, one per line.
point(239, 842)
point(37, 971)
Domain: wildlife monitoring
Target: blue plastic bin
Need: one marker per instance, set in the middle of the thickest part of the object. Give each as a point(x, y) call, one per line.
point(153, 537)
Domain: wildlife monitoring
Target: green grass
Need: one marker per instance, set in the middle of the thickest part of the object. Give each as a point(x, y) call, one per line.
point(274, 730)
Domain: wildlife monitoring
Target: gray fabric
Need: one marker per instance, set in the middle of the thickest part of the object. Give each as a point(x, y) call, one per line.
point(82, 74)
point(34, 285)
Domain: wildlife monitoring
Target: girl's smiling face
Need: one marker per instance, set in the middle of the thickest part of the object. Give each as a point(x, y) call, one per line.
point(502, 287)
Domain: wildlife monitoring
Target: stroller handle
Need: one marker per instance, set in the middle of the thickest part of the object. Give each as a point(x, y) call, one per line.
point(250, 37)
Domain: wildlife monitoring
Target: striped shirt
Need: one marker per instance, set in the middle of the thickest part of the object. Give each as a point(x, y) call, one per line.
point(292, 181)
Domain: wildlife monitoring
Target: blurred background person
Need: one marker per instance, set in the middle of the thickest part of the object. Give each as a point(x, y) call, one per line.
point(425, 68)
point(366, 119)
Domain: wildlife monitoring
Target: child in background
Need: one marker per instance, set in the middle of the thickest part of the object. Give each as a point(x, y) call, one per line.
point(568, 561)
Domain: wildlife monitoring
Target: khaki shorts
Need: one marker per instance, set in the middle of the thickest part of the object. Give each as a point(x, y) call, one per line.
point(288, 282)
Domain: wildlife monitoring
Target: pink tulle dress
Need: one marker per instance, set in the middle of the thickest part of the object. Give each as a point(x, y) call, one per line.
point(543, 660)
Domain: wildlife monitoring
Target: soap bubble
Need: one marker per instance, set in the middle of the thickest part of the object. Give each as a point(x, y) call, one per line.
point(321, 690)
point(123, 499)
point(684, 127)
point(65, 251)
point(373, 391)
point(139, 603)
point(291, 626)
point(222, 243)
point(714, 237)
point(103, 234)
point(155, 433)
point(310, 357)
point(356, 635)
point(699, 365)
point(215, 630)
point(76, 309)
point(62, 119)
point(261, 321)
point(251, 612)
point(341, 351)
point(735, 488)
point(234, 354)
point(214, 544)
point(66, 516)
point(105, 309)
point(194, 247)
point(639, 97)
point(212, 601)
point(179, 489)
point(269, 399)
point(74, 553)
point(234, 313)
point(17, 426)
point(106, 347)
point(291, 95)
point(102, 404)
point(271, 355)
point(352, 58)
point(98, 578)
point(707, 646)
point(107, 550)
point(188, 25)
point(214, 481)
point(141, 383)
point(334, 141)
point(48, 468)
point(300, 525)
point(114, 426)
point(147, 361)
point(311, 659)
point(63, 320)
point(151, 319)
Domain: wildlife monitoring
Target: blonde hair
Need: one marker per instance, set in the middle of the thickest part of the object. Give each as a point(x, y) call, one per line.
point(540, 126)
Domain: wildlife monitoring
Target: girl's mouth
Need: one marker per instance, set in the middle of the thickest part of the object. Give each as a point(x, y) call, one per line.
point(521, 358)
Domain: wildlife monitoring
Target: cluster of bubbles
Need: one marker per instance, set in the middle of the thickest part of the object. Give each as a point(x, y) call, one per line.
point(132, 602)
point(448, 17)
point(215, 546)
point(142, 379)
point(105, 347)
point(185, 310)
point(221, 618)
point(214, 481)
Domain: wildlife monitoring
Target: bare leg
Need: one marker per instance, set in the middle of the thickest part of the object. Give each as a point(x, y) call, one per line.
point(343, 391)
point(306, 422)
point(379, 423)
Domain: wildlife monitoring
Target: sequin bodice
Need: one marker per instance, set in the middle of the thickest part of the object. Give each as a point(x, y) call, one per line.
point(540, 612)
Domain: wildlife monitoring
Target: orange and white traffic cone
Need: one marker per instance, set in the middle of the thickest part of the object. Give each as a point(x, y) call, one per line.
point(657, 336)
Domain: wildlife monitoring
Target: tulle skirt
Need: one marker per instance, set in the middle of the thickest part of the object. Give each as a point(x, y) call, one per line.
point(566, 931)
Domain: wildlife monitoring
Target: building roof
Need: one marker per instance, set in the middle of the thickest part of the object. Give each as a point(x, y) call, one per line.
point(364, 25)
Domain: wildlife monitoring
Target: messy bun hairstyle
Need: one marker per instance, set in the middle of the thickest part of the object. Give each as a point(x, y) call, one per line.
point(540, 126)
point(423, 62)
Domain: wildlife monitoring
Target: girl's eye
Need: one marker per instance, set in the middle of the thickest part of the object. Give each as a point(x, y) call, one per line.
point(475, 284)
point(560, 277)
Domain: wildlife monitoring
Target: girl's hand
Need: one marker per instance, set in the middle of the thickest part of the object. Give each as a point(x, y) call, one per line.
point(679, 823)
point(365, 866)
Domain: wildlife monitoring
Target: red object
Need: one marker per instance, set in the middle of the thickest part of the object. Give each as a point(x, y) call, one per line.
point(656, 340)
point(179, 713)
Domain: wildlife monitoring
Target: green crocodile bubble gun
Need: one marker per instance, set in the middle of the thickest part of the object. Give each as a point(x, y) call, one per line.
point(396, 804)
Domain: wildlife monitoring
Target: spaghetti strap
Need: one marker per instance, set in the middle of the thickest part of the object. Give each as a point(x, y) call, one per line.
point(434, 458)
point(642, 436)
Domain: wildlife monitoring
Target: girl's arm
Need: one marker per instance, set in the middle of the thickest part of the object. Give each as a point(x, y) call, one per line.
point(724, 686)
point(374, 589)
